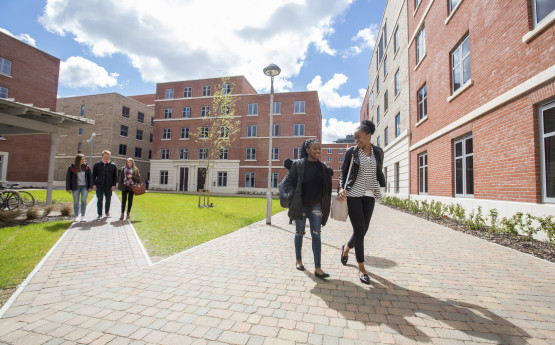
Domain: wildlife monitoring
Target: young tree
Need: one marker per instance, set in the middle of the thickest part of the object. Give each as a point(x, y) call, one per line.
point(219, 129)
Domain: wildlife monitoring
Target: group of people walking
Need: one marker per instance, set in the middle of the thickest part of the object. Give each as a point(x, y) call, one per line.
point(103, 178)
point(307, 190)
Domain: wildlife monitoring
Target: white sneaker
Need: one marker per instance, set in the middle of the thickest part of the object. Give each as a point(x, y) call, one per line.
point(77, 218)
point(82, 218)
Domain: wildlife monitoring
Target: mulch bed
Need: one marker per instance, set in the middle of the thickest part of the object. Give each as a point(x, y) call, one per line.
point(541, 249)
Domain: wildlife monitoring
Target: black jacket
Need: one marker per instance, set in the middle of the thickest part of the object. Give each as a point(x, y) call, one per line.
point(378, 152)
point(110, 172)
point(136, 178)
point(71, 178)
point(292, 186)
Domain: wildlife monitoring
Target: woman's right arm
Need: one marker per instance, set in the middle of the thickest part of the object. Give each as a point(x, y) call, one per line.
point(68, 179)
point(341, 192)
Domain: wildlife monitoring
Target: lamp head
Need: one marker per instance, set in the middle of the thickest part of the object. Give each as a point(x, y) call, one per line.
point(272, 70)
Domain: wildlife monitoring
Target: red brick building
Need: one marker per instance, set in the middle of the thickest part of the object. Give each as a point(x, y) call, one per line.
point(482, 111)
point(30, 76)
point(332, 155)
point(181, 108)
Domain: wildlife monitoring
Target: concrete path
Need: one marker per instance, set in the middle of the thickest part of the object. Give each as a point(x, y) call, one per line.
point(430, 285)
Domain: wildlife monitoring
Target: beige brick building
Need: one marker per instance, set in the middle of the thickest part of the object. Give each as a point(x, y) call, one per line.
point(123, 126)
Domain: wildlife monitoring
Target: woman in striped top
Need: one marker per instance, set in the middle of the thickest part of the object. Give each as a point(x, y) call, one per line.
point(361, 189)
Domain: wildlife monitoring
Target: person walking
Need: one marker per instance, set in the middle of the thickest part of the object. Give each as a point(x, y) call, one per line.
point(361, 189)
point(79, 183)
point(128, 177)
point(105, 177)
point(308, 187)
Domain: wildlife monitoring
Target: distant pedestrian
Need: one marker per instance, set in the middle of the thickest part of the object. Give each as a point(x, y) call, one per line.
point(79, 183)
point(128, 177)
point(105, 178)
point(287, 163)
point(309, 188)
point(361, 189)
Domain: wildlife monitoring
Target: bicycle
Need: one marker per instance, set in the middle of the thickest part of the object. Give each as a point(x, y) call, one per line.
point(9, 199)
point(25, 199)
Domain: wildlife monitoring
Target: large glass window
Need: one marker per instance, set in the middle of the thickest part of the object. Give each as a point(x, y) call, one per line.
point(224, 152)
point(252, 109)
point(397, 125)
point(250, 179)
point(397, 83)
point(421, 44)
point(378, 113)
point(169, 93)
point(460, 64)
point(397, 175)
point(542, 9)
point(277, 108)
point(296, 153)
point(251, 153)
point(125, 112)
point(464, 167)
point(140, 116)
point(423, 173)
point(202, 153)
point(547, 137)
point(166, 133)
point(386, 136)
point(385, 101)
point(224, 131)
point(186, 112)
point(226, 89)
point(453, 4)
point(299, 107)
point(123, 131)
point(275, 153)
point(165, 154)
point(205, 111)
point(203, 132)
point(298, 129)
point(184, 133)
point(3, 92)
point(187, 92)
point(138, 152)
point(139, 135)
point(222, 179)
point(251, 131)
point(396, 40)
point(275, 180)
point(206, 90)
point(164, 177)
point(385, 69)
point(183, 153)
point(122, 150)
point(168, 113)
point(422, 102)
point(5, 66)
point(275, 130)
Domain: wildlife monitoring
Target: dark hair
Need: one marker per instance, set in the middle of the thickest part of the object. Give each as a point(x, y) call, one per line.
point(77, 163)
point(287, 163)
point(306, 145)
point(367, 127)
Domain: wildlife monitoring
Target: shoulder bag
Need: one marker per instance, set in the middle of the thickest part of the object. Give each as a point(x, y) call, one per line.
point(138, 188)
point(339, 209)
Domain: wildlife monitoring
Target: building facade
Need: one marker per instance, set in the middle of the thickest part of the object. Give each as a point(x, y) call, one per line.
point(482, 92)
point(123, 126)
point(388, 96)
point(183, 108)
point(27, 75)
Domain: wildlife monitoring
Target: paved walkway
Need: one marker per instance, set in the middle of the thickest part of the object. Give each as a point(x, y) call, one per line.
point(430, 285)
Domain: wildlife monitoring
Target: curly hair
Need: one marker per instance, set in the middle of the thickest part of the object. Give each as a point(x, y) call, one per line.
point(306, 145)
point(367, 127)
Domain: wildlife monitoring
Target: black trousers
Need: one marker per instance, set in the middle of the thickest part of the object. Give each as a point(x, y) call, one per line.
point(101, 193)
point(360, 213)
point(126, 196)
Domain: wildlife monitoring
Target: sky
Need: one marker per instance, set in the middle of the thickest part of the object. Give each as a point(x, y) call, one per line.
point(127, 46)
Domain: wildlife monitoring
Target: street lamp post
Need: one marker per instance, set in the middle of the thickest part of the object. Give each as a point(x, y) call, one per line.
point(91, 141)
point(271, 71)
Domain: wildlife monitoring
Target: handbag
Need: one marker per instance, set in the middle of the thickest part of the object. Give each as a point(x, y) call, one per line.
point(138, 188)
point(339, 209)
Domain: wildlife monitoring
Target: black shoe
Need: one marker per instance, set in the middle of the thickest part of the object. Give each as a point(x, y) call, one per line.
point(300, 267)
point(365, 279)
point(345, 258)
point(321, 276)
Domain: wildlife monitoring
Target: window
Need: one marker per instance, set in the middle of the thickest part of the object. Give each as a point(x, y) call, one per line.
point(340, 159)
point(164, 177)
point(397, 83)
point(184, 133)
point(386, 136)
point(275, 180)
point(385, 176)
point(423, 173)
point(385, 101)
point(141, 117)
point(460, 64)
point(122, 150)
point(183, 153)
point(547, 150)
point(379, 142)
point(397, 125)
point(378, 113)
point(422, 102)
point(225, 110)
point(299, 107)
point(397, 175)
point(150, 139)
point(396, 40)
point(340, 167)
point(186, 112)
point(298, 129)
point(139, 135)
point(222, 179)
point(224, 132)
point(542, 9)
point(168, 113)
point(187, 92)
point(453, 4)
point(277, 108)
point(378, 85)
point(138, 152)
point(165, 154)
point(152, 121)
point(275, 130)
point(123, 130)
point(329, 159)
point(464, 167)
point(166, 133)
point(251, 153)
point(416, 3)
point(202, 153)
point(224, 153)
point(125, 112)
point(372, 98)
point(205, 111)
point(206, 90)
point(3, 92)
point(80, 131)
point(149, 155)
point(380, 49)
point(251, 131)
point(252, 109)
point(226, 89)
point(203, 132)
point(340, 151)
point(169, 93)
point(330, 151)
point(385, 67)
point(296, 153)
point(79, 146)
point(420, 44)
point(275, 153)
point(82, 110)
point(5, 66)
point(249, 179)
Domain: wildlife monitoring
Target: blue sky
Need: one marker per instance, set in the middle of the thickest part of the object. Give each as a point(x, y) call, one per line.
point(126, 46)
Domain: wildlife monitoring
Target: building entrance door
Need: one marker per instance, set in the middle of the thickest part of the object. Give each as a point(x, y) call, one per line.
point(183, 179)
point(201, 178)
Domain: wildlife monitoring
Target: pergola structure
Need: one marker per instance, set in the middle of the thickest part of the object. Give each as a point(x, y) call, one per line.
point(24, 119)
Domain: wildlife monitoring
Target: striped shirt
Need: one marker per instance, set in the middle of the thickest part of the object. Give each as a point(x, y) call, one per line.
point(366, 183)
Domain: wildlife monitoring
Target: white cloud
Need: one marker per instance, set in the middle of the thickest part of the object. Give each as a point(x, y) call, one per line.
point(334, 129)
point(176, 40)
point(22, 37)
point(328, 92)
point(365, 38)
point(77, 71)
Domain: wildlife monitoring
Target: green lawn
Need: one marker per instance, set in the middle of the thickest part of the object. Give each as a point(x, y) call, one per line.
point(58, 196)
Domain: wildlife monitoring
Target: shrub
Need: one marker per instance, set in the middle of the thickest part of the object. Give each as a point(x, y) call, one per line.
point(8, 216)
point(548, 225)
point(66, 209)
point(493, 220)
point(459, 213)
point(33, 213)
point(48, 210)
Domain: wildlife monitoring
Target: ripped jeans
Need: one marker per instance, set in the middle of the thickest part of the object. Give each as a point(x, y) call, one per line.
point(314, 215)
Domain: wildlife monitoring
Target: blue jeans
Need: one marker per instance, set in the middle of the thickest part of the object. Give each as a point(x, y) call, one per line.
point(314, 215)
point(84, 193)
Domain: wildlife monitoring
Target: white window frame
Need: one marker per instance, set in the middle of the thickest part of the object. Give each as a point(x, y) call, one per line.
point(543, 167)
point(275, 130)
point(165, 154)
point(464, 156)
point(164, 177)
point(330, 151)
point(422, 103)
point(453, 4)
point(169, 93)
point(168, 113)
point(277, 108)
point(397, 125)
point(252, 109)
point(297, 153)
point(224, 153)
point(205, 111)
point(535, 13)
point(224, 132)
point(183, 154)
point(203, 132)
point(166, 133)
point(300, 107)
point(222, 178)
point(423, 173)
point(206, 90)
point(459, 67)
point(185, 133)
point(250, 154)
point(397, 82)
point(226, 88)
point(187, 92)
point(250, 180)
point(298, 130)
point(421, 44)
point(4, 92)
point(202, 153)
point(186, 112)
point(275, 153)
point(329, 160)
point(5, 66)
point(275, 180)
point(252, 131)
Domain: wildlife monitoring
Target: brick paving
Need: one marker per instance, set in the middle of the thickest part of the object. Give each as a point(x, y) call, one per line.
point(430, 285)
